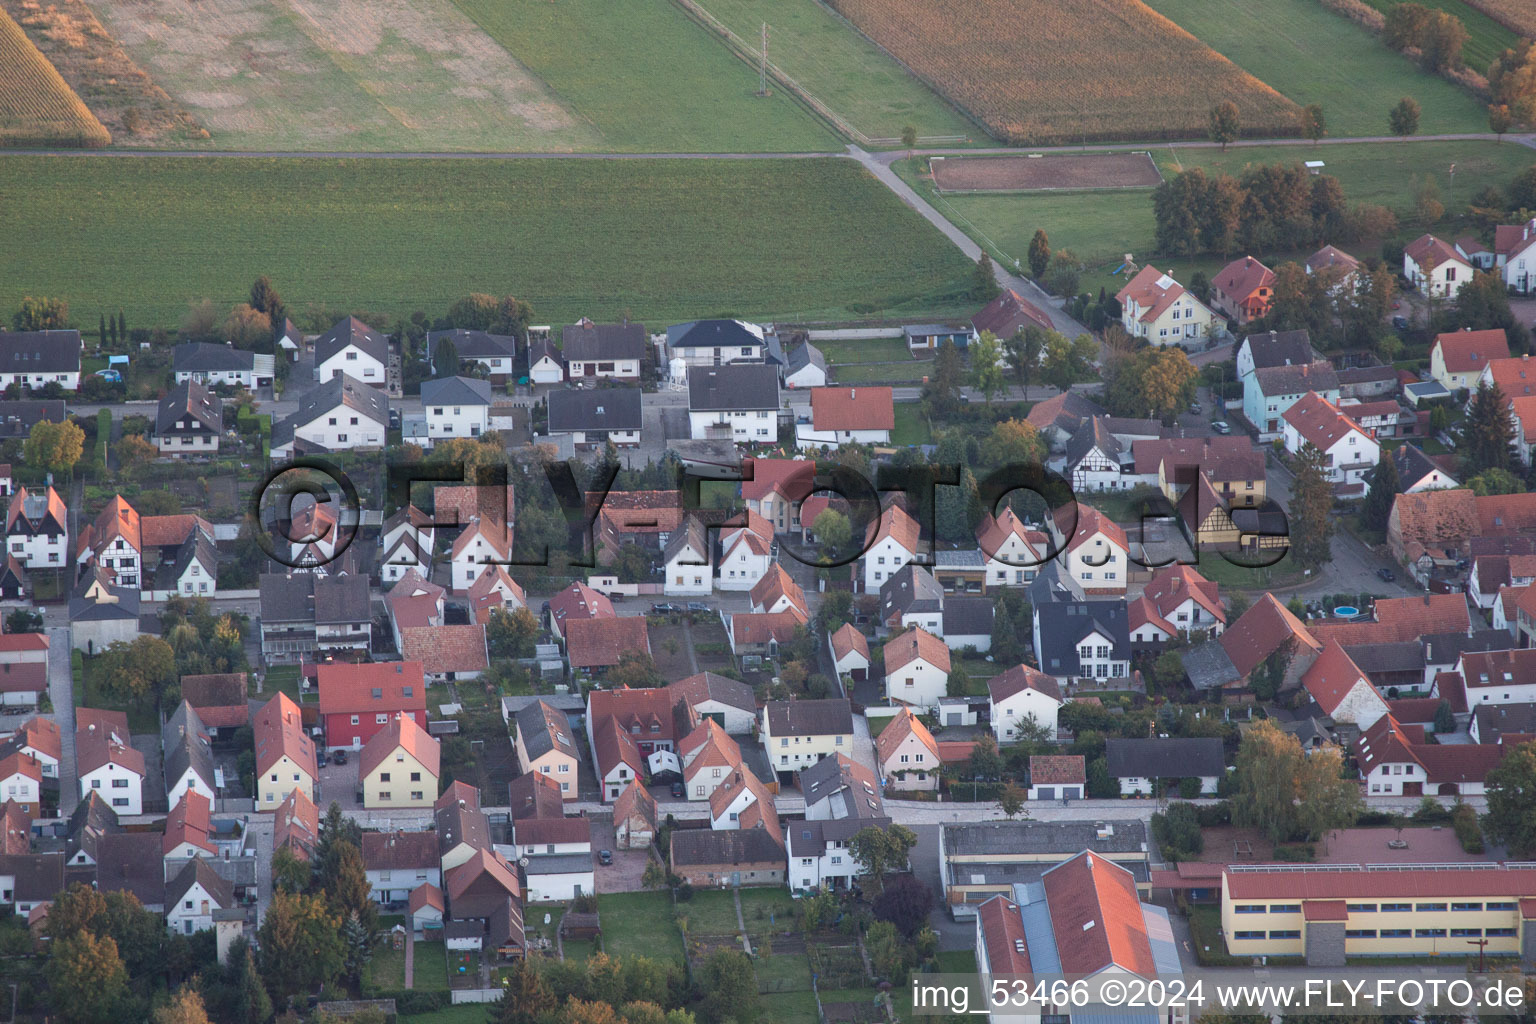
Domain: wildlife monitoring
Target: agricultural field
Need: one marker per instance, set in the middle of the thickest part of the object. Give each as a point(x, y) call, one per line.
point(1041, 173)
point(841, 68)
point(658, 240)
point(1101, 227)
point(1486, 38)
point(1315, 56)
point(1516, 15)
point(343, 75)
point(37, 107)
point(642, 77)
point(1076, 70)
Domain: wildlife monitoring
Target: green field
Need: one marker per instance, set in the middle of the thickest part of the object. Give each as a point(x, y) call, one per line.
point(1486, 38)
point(1315, 56)
point(840, 67)
point(1101, 227)
point(911, 425)
point(640, 924)
point(646, 77)
point(663, 240)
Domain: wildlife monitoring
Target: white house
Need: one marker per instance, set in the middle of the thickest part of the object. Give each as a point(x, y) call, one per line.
point(1394, 762)
point(853, 415)
point(734, 401)
point(818, 854)
point(354, 349)
point(193, 895)
point(105, 761)
point(850, 652)
point(746, 552)
point(906, 753)
point(189, 421)
point(610, 415)
point(1018, 695)
point(1013, 551)
point(34, 359)
point(343, 414)
point(456, 407)
point(687, 571)
point(805, 367)
point(1343, 692)
point(484, 542)
point(189, 766)
point(889, 544)
point(559, 877)
point(1498, 677)
point(1351, 453)
point(399, 863)
point(1096, 552)
point(21, 780)
point(37, 737)
point(1519, 265)
point(603, 351)
point(716, 343)
point(1434, 267)
point(1273, 348)
point(1156, 307)
point(546, 365)
point(1186, 600)
point(194, 573)
point(917, 668)
point(1141, 764)
point(494, 353)
point(214, 364)
point(406, 539)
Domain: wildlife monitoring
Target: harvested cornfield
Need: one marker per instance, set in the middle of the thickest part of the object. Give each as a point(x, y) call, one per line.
point(37, 108)
point(1070, 70)
point(1516, 15)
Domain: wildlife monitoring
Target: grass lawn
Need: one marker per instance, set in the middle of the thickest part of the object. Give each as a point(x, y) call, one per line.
point(710, 912)
point(911, 425)
point(840, 67)
point(871, 350)
point(429, 966)
point(1101, 227)
point(909, 373)
point(1218, 570)
point(788, 972)
point(767, 910)
point(1315, 56)
point(279, 677)
point(767, 240)
point(954, 961)
point(386, 971)
point(1486, 38)
point(464, 1013)
point(793, 1007)
point(640, 924)
point(647, 78)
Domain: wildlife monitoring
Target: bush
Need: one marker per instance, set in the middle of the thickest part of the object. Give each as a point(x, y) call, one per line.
point(409, 1002)
point(1189, 789)
point(1300, 854)
point(1178, 832)
point(1214, 815)
point(684, 892)
point(1369, 819)
point(1464, 821)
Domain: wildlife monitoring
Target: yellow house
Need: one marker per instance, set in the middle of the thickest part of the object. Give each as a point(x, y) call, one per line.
point(398, 766)
point(1327, 916)
point(545, 744)
point(798, 733)
point(1457, 359)
point(285, 756)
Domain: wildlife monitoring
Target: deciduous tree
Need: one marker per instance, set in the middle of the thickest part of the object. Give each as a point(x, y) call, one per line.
point(1039, 253)
point(1011, 800)
point(1511, 817)
point(41, 314)
point(1495, 481)
point(1313, 124)
point(880, 851)
point(905, 902)
point(1267, 765)
point(87, 981)
point(1014, 443)
point(987, 366)
point(54, 447)
point(1326, 800)
point(984, 286)
point(300, 944)
point(185, 1007)
point(1311, 509)
point(729, 984)
point(1224, 123)
point(1404, 118)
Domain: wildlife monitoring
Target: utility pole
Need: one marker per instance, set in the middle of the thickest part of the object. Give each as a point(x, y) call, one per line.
point(1481, 945)
point(762, 68)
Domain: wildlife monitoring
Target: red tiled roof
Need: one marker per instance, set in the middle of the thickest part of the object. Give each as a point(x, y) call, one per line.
point(1097, 918)
point(759, 628)
point(414, 601)
point(791, 479)
point(640, 512)
point(1320, 422)
point(1242, 277)
point(993, 532)
point(423, 896)
point(440, 649)
point(401, 732)
point(1057, 769)
point(1009, 313)
point(1399, 619)
point(15, 642)
point(1221, 458)
point(219, 699)
point(1498, 668)
point(848, 640)
point(17, 763)
point(1141, 611)
point(955, 751)
point(1149, 291)
point(1172, 585)
point(635, 800)
point(1406, 883)
point(97, 746)
point(916, 643)
point(488, 590)
point(459, 503)
point(172, 531)
point(1503, 514)
point(1090, 521)
point(279, 730)
point(895, 524)
point(38, 734)
point(1019, 678)
point(480, 864)
point(579, 601)
point(1436, 520)
point(599, 643)
point(1433, 250)
point(1002, 936)
point(541, 831)
point(777, 583)
point(896, 732)
point(1453, 688)
point(349, 689)
point(853, 408)
point(15, 830)
point(1260, 631)
point(1516, 376)
point(1414, 709)
point(190, 821)
point(296, 824)
point(1469, 351)
point(1332, 676)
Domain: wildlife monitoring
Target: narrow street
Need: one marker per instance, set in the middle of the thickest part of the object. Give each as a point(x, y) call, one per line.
point(1353, 566)
point(61, 691)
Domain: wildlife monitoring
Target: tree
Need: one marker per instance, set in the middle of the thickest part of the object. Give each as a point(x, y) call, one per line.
point(905, 902)
point(1489, 434)
point(1152, 383)
point(41, 315)
point(1440, 42)
point(1313, 124)
point(833, 532)
point(888, 955)
point(345, 884)
point(880, 851)
point(1311, 508)
point(1445, 720)
point(528, 998)
point(185, 1007)
point(133, 451)
point(985, 761)
point(300, 944)
point(1268, 762)
point(289, 873)
point(1500, 120)
point(357, 948)
point(1224, 123)
point(1063, 274)
point(987, 366)
point(511, 634)
point(984, 286)
point(1426, 202)
point(445, 358)
point(1177, 832)
point(1511, 817)
point(1404, 118)
point(141, 669)
point(234, 993)
point(1005, 636)
point(1023, 350)
point(1068, 360)
point(247, 328)
point(1495, 481)
point(54, 447)
point(1011, 800)
point(944, 382)
point(1014, 443)
point(909, 139)
point(729, 984)
point(1326, 799)
point(86, 978)
point(654, 876)
point(1382, 494)
point(1039, 253)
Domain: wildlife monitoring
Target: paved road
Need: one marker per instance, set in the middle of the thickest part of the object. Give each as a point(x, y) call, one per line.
point(61, 691)
point(1352, 567)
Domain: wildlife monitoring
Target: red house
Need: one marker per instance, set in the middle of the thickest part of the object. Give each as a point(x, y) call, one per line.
point(357, 701)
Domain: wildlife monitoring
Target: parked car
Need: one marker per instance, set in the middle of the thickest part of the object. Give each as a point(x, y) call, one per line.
point(1222, 427)
point(678, 790)
point(339, 755)
point(605, 856)
point(666, 609)
point(1399, 323)
point(1387, 575)
point(1196, 408)
point(699, 606)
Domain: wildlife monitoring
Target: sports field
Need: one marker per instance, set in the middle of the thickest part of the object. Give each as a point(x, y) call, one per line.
point(37, 107)
point(1486, 38)
point(1315, 56)
point(645, 78)
point(833, 62)
point(658, 240)
point(1041, 173)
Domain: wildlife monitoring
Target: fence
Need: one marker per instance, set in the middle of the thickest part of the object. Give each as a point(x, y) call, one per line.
point(753, 57)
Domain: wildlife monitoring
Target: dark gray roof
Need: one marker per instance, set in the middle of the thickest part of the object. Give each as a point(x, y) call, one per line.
point(809, 838)
point(197, 546)
point(910, 590)
point(1366, 374)
point(40, 876)
point(1094, 433)
point(287, 597)
point(201, 357)
point(190, 399)
point(968, 615)
point(1053, 584)
point(805, 355)
point(474, 344)
point(198, 871)
point(125, 607)
point(39, 351)
point(588, 341)
point(1412, 465)
point(711, 334)
point(1176, 757)
point(1209, 666)
point(833, 716)
point(19, 416)
point(1280, 348)
point(340, 599)
point(537, 722)
point(1406, 656)
point(1295, 380)
point(92, 818)
point(455, 391)
point(351, 331)
point(541, 348)
point(725, 690)
point(1446, 648)
point(1022, 838)
point(341, 390)
point(1063, 625)
point(1494, 720)
point(455, 824)
point(185, 747)
point(611, 409)
point(692, 532)
point(733, 387)
point(704, 846)
point(558, 863)
point(847, 791)
point(133, 861)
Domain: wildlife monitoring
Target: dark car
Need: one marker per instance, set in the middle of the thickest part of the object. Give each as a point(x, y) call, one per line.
point(678, 790)
point(1196, 408)
point(1387, 575)
point(666, 609)
point(699, 606)
point(605, 856)
point(339, 755)
point(1400, 323)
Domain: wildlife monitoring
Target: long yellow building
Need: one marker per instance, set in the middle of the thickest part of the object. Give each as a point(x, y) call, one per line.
point(1329, 913)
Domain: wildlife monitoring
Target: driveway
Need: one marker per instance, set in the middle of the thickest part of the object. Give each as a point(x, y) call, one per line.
point(338, 782)
point(624, 874)
point(61, 691)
